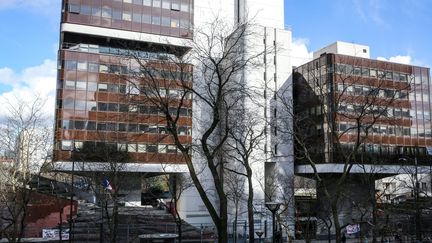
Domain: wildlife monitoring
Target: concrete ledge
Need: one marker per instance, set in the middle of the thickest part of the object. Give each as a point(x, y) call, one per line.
point(66, 166)
point(333, 168)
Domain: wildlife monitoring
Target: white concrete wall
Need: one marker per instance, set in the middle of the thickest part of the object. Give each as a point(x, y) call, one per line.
point(344, 48)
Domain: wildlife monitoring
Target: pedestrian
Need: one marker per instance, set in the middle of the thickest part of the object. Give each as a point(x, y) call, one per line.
point(343, 238)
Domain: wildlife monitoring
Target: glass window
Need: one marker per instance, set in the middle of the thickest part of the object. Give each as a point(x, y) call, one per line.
point(127, 16)
point(79, 125)
point(152, 148)
point(82, 66)
point(103, 87)
point(69, 84)
point(93, 67)
point(365, 72)
point(74, 8)
point(91, 86)
point(182, 130)
point(132, 127)
point(101, 126)
point(68, 103)
point(136, 17)
point(162, 148)
point(106, 12)
point(86, 10)
point(132, 148)
point(156, 20)
point(175, 5)
point(66, 145)
point(388, 75)
point(166, 4)
point(91, 105)
point(373, 73)
point(122, 147)
point(114, 88)
point(80, 105)
point(123, 108)
point(141, 148)
point(174, 23)
point(147, 2)
point(91, 125)
point(146, 19)
point(96, 11)
point(103, 68)
point(81, 85)
point(143, 128)
point(127, 1)
point(102, 106)
point(152, 129)
point(184, 23)
point(117, 15)
point(66, 124)
point(157, 3)
point(172, 149)
point(113, 107)
point(139, 2)
point(165, 21)
point(184, 7)
point(356, 71)
point(111, 126)
point(122, 127)
point(70, 65)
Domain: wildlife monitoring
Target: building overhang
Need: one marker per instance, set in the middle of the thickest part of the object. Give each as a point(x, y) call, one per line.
point(383, 169)
point(125, 34)
point(66, 166)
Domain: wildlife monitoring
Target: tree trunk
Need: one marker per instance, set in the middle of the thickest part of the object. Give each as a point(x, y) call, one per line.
point(250, 206)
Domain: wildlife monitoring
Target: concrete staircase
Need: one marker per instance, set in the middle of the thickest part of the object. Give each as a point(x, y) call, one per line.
point(133, 221)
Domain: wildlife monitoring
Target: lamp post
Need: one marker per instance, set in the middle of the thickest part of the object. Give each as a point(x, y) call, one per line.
point(417, 223)
point(273, 207)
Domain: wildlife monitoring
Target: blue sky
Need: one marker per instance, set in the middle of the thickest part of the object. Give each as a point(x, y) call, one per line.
point(398, 30)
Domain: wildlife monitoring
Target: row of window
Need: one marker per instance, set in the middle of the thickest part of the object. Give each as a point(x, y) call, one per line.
point(370, 72)
point(125, 15)
point(119, 51)
point(384, 130)
point(361, 90)
point(121, 127)
point(84, 66)
point(387, 149)
point(125, 147)
point(84, 105)
point(381, 111)
point(130, 89)
point(175, 5)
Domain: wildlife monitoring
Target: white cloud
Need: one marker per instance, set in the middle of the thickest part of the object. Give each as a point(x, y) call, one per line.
point(32, 81)
point(397, 59)
point(299, 52)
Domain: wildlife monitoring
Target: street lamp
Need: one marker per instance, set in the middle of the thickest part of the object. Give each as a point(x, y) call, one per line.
point(416, 198)
point(273, 207)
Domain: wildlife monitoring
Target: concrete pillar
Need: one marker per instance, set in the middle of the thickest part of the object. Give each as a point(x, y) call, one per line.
point(353, 204)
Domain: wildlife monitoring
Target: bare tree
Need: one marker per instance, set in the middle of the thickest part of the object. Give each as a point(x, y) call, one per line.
point(25, 144)
point(219, 92)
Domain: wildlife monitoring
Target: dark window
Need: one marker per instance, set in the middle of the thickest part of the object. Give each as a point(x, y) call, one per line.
point(122, 127)
point(152, 148)
point(113, 107)
point(102, 106)
point(80, 125)
point(132, 127)
point(101, 126)
point(143, 128)
point(124, 108)
point(111, 126)
point(70, 65)
point(91, 125)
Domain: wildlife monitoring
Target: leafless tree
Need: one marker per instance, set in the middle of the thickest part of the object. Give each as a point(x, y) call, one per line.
point(25, 144)
point(219, 60)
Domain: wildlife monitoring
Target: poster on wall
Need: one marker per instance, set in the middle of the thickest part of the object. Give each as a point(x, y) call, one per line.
point(352, 228)
point(54, 234)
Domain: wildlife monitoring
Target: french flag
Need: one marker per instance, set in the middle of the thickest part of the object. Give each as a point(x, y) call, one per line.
point(107, 185)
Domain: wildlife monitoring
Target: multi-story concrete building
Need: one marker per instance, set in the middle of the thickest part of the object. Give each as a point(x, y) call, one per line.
point(368, 118)
point(94, 104)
